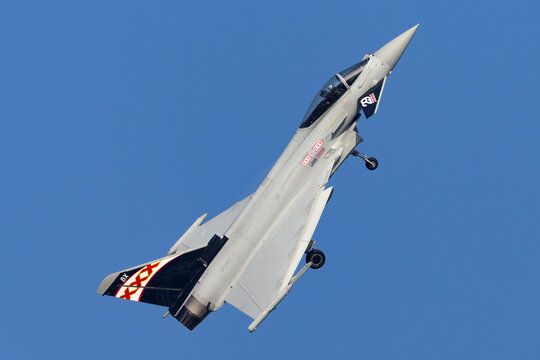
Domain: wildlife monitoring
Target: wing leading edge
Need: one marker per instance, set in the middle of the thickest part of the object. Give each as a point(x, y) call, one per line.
point(198, 235)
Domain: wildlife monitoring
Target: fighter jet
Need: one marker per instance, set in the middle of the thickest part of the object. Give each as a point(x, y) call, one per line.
point(247, 255)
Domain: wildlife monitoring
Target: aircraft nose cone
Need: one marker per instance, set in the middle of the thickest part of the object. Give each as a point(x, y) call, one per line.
point(391, 52)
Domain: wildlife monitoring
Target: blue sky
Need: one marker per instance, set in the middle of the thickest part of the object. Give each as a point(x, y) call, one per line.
point(122, 122)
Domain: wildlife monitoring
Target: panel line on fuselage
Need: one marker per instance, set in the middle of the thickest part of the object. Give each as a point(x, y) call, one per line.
point(335, 118)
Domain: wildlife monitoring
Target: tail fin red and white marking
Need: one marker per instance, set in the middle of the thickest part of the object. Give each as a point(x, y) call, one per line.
point(157, 282)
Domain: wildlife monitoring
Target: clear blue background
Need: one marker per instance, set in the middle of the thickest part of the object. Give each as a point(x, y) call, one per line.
point(123, 121)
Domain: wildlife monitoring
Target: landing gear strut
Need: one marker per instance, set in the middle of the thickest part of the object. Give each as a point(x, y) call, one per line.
point(371, 163)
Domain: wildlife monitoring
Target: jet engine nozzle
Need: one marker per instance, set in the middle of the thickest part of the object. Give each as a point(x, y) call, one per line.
point(192, 313)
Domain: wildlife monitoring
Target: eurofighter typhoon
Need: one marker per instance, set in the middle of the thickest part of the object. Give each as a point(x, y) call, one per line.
point(247, 255)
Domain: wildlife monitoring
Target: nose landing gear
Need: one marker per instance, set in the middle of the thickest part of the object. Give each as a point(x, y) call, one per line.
point(371, 163)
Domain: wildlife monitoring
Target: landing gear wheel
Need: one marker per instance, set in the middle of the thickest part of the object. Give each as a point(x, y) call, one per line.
point(316, 257)
point(372, 163)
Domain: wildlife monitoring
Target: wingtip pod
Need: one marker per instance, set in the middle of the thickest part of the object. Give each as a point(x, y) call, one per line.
point(392, 51)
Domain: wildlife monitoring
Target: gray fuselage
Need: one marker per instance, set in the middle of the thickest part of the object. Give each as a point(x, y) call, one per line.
point(334, 136)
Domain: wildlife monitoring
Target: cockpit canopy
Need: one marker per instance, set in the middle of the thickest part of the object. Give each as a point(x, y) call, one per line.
point(350, 74)
point(327, 96)
point(331, 92)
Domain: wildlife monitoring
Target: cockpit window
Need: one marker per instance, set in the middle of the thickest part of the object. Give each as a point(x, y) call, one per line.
point(351, 74)
point(327, 96)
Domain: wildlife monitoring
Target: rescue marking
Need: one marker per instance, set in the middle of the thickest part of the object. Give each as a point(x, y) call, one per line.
point(312, 153)
point(306, 160)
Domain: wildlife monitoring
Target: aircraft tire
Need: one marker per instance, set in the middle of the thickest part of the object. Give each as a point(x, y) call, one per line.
point(372, 167)
point(317, 258)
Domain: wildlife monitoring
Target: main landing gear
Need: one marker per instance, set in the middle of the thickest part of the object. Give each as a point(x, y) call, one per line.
point(371, 163)
point(316, 258)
